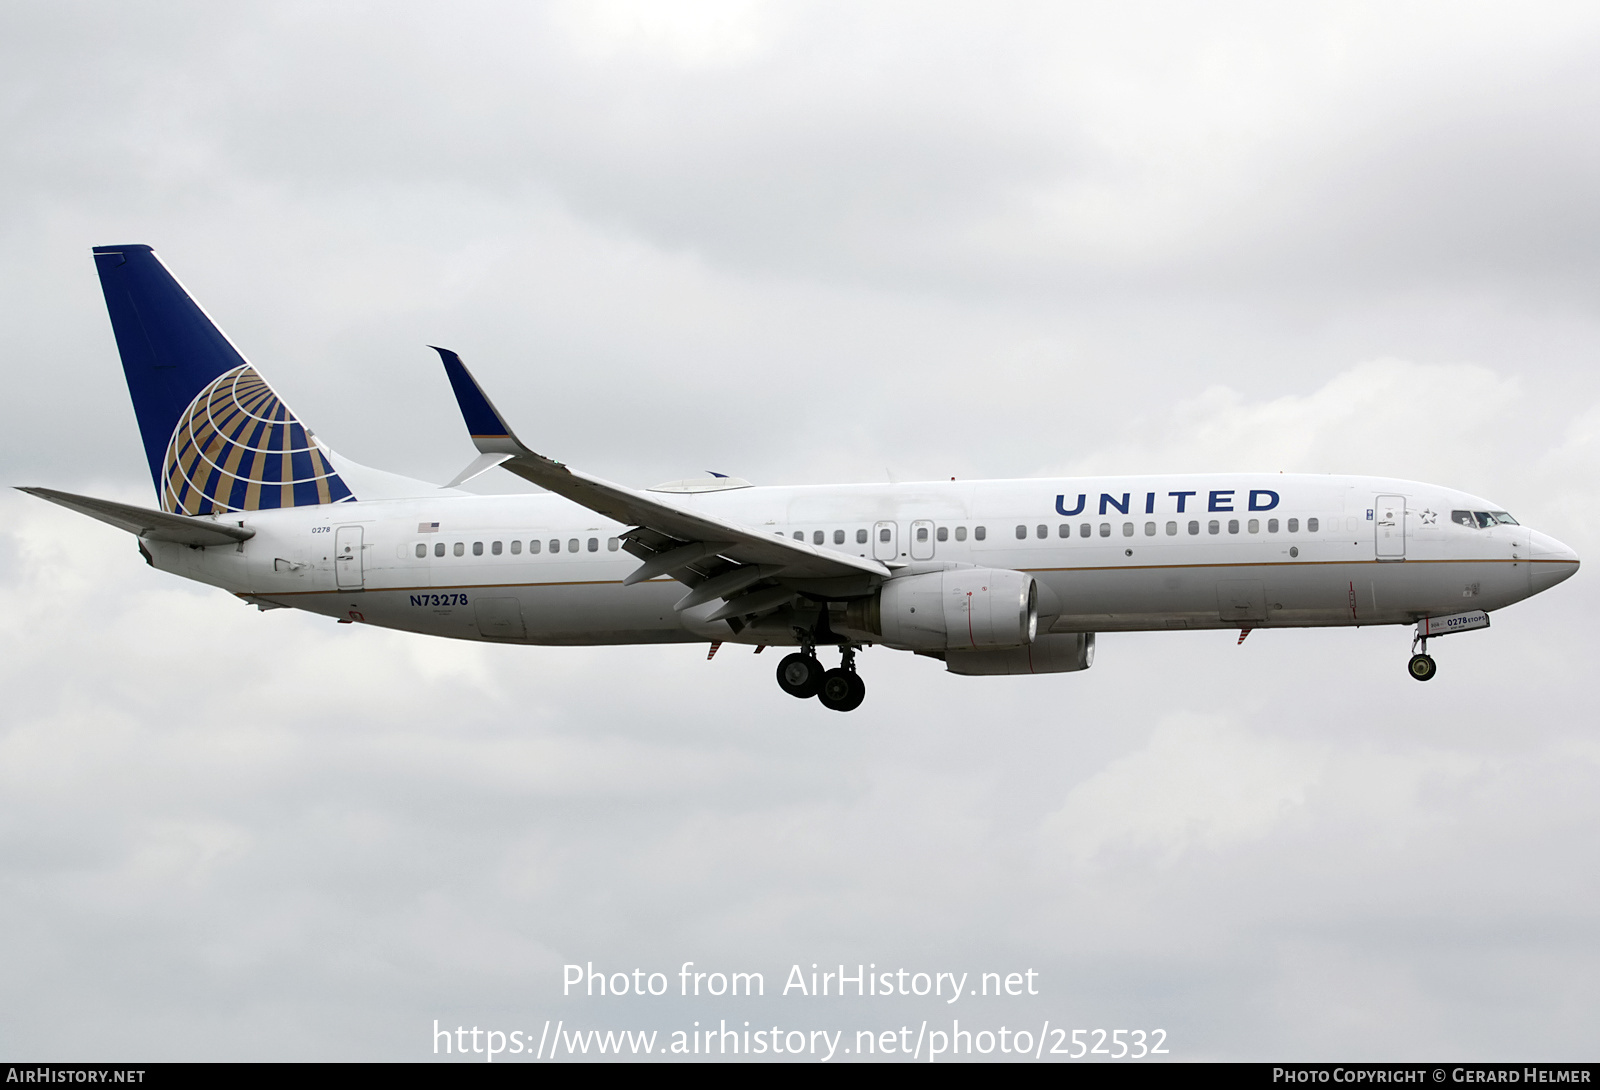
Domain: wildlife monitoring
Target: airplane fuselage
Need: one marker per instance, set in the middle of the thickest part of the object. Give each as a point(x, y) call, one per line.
point(1108, 554)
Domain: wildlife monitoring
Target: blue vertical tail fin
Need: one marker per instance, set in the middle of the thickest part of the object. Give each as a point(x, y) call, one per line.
point(216, 435)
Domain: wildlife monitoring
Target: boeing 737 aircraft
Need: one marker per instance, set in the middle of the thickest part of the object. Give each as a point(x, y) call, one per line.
point(991, 577)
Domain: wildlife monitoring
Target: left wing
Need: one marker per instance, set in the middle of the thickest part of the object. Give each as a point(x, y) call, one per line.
point(687, 545)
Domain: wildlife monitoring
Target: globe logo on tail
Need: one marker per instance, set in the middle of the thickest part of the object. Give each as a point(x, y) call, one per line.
point(239, 448)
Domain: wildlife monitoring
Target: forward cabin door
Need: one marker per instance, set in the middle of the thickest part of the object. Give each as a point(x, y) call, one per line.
point(1389, 527)
point(347, 557)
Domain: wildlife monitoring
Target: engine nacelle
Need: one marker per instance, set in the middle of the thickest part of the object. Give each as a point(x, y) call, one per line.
point(970, 609)
point(1052, 653)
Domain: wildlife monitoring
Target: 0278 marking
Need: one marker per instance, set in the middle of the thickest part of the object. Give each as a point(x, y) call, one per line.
point(438, 599)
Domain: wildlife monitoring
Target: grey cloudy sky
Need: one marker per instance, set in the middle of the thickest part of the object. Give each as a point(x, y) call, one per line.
point(805, 243)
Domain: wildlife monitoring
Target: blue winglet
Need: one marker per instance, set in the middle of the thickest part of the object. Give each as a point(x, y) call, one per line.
point(482, 419)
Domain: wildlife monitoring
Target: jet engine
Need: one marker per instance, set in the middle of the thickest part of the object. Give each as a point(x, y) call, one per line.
point(963, 609)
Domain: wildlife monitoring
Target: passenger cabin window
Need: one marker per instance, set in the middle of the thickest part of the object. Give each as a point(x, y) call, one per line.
point(1127, 529)
point(861, 537)
point(838, 537)
point(460, 549)
point(1194, 527)
point(555, 544)
point(495, 548)
point(1272, 526)
point(961, 533)
point(1172, 529)
point(1085, 530)
point(438, 548)
point(979, 533)
point(818, 537)
point(1213, 527)
point(942, 533)
point(422, 550)
point(1311, 526)
point(477, 548)
point(594, 544)
point(799, 535)
point(516, 548)
point(1041, 531)
point(534, 546)
point(1254, 526)
point(1294, 526)
point(1064, 530)
point(1233, 526)
point(1149, 529)
point(572, 544)
point(1105, 529)
point(613, 544)
point(1022, 532)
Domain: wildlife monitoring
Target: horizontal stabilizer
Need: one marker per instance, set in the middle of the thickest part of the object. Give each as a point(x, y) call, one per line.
point(483, 463)
point(155, 525)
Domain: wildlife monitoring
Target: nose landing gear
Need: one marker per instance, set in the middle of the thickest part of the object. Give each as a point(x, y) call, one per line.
point(840, 689)
point(1422, 667)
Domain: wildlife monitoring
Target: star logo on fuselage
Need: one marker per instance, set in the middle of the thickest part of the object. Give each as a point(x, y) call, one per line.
point(1429, 516)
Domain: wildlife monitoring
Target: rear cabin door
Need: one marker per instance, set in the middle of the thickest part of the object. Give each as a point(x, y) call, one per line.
point(1389, 527)
point(347, 557)
point(886, 541)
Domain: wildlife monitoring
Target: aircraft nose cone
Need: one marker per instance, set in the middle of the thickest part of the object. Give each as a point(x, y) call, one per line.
point(1551, 561)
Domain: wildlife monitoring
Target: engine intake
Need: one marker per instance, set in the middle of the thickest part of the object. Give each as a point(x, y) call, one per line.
point(964, 609)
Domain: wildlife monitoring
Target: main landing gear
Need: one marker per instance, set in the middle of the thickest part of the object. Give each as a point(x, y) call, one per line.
point(840, 689)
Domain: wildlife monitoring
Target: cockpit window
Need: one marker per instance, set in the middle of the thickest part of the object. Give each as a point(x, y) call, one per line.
point(1503, 519)
point(1485, 520)
point(1462, 518)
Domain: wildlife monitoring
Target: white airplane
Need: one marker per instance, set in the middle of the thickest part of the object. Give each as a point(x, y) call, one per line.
point(992, 577)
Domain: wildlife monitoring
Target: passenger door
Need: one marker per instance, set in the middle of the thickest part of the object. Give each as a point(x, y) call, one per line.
point(922, 540)
point(347, 560)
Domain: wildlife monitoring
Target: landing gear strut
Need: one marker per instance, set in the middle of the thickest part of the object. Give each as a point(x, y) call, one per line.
point(1422, 667)
point(840, 689)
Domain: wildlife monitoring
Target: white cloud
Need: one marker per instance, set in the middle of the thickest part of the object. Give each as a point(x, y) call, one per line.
point(1199, 784)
